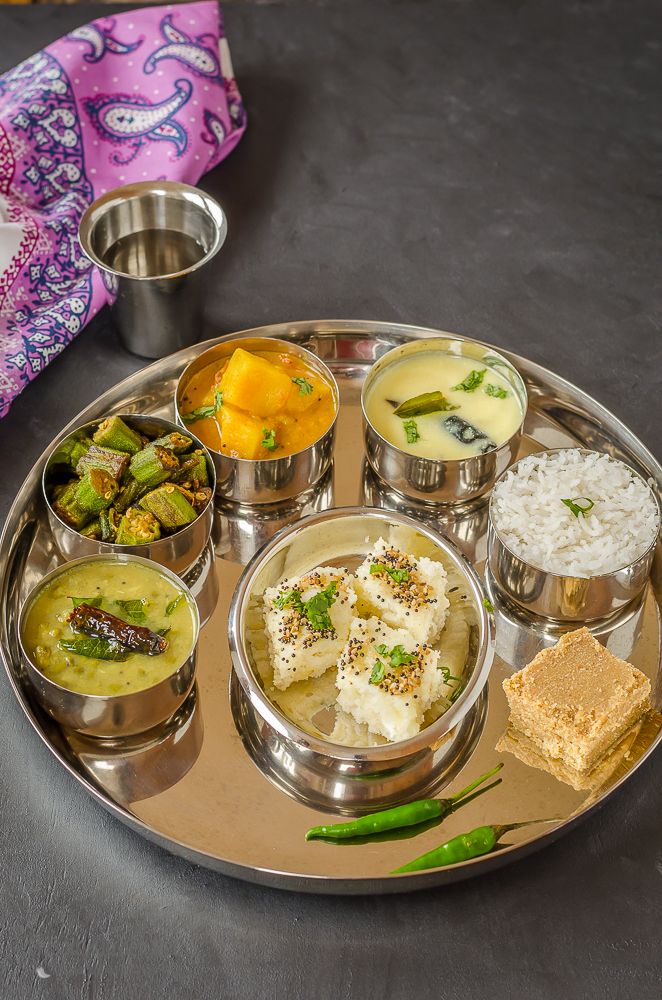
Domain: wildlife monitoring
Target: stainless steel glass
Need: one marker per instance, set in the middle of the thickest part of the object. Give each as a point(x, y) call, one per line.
point(178, 552)
point(151, 241)
point(116, 715)
point(566, 598)
point(271, 480)
point(314, 768)
point(438, 481)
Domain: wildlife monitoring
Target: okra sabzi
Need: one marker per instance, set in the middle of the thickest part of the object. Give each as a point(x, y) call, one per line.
point(115, 484)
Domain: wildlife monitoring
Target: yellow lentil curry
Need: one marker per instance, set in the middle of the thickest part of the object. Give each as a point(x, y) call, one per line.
point(135, 593)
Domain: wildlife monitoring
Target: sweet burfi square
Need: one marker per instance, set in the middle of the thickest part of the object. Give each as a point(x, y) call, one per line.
point(576, 699)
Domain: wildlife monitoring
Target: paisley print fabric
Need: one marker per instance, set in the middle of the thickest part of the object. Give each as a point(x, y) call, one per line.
point(137, 96)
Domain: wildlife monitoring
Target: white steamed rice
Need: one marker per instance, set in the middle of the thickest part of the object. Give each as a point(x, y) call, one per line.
point(533, 522)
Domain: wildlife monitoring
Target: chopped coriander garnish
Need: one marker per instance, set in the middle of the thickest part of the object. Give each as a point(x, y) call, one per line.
point(472, 381)
point(447, 675)
point(487, 604)
point(269, 438)
point(397, 657)
point(316, 608)
point(378, 672)
point(457, 692)
point(496, 390)
point(290, 597)
point(411, 431)
point(397, 575)
point(305, 387)
point(578, 508)
point(203, 412)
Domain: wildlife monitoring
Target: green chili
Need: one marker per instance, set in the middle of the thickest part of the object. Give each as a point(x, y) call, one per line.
point(427, 402)
point(400, 816)
point(464, 847)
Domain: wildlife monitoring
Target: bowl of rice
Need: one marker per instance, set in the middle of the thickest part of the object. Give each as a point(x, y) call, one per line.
point(572, 534)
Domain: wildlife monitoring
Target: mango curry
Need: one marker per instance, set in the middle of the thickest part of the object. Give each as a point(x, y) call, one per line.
point(258, 405)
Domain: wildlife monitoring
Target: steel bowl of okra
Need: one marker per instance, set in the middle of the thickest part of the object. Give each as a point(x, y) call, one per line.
point(131, 483)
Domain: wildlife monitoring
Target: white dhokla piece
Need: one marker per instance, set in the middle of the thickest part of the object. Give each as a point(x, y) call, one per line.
point(386, 679)
point(403, 591)
point(307, 620)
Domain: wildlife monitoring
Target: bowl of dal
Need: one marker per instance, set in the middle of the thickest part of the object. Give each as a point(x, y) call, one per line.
point(108, 643)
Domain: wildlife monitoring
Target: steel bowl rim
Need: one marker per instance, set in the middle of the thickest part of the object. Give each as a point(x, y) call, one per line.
point(265, 462)
point(453, 462)
point(169, 188)
point(339, 752)
point(567, 576)
point(114, 546)
point(98, 699)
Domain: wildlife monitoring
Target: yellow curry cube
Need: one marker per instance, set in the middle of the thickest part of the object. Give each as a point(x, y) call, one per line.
point(241, 435)
point(252, 383)
point(298, 401)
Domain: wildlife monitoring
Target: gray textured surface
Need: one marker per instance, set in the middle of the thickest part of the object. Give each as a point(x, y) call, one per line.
point(485, 167)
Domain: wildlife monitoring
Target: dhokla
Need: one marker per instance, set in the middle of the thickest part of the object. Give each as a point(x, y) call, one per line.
point(576, 699)
point(307, 622)
point(404, 591)
point(386, 679)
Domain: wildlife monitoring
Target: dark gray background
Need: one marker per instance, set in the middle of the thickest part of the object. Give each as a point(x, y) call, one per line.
point(483, 167)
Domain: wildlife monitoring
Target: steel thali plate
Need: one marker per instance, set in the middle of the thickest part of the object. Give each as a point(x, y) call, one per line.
point(193, 787)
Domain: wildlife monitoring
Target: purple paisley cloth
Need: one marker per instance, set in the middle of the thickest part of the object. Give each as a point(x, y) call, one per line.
point(143, 95)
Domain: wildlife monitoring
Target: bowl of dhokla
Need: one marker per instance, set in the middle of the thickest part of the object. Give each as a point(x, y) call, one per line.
point(442, 418)
point(360, 636)
point(572, 534)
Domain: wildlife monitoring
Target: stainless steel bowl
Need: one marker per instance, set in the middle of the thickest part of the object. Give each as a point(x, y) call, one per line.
point(314, 768)
point(441, 481)
point(271, 480)
point(566, 598)
point(179, 552)
point(151, 241)
point(117, 715)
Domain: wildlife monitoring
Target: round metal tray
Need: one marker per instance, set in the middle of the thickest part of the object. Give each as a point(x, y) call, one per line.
point(199, 787)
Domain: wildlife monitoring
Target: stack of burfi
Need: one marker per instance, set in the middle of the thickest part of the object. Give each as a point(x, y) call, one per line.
point(575, 700)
